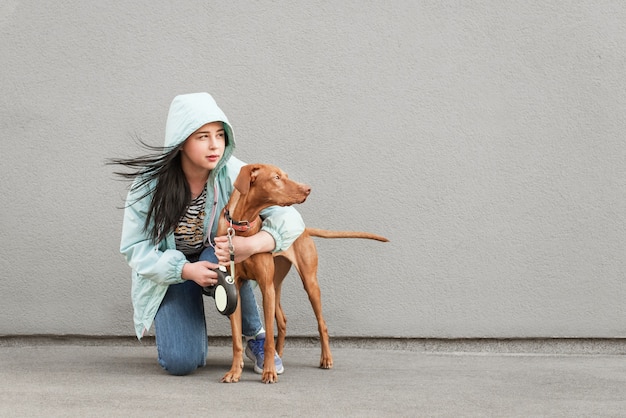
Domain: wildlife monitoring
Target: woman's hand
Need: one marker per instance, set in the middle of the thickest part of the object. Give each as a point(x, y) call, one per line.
point(261, 242)
point(200, 272)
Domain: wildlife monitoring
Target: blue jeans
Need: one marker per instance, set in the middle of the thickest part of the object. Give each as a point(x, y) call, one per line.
point(180, 324)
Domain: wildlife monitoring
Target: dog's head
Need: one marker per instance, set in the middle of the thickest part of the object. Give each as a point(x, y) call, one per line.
point(270, 185)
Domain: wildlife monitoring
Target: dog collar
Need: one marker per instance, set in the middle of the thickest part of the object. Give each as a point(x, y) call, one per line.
point(241, 226)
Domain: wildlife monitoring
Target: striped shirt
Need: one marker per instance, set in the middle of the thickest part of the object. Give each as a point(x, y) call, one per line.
point(189, 234)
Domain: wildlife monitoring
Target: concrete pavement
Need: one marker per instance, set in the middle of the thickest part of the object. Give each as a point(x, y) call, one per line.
point(119, 377)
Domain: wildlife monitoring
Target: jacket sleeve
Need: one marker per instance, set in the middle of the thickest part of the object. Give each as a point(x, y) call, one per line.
point(149, 261)
point(285, 224)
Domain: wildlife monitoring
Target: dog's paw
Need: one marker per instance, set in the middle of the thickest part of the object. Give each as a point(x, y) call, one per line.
point(269, 376)
point(231, 377)
point(326, 362)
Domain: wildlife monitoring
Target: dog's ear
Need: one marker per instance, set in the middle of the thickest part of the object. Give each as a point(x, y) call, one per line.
point(246, 177)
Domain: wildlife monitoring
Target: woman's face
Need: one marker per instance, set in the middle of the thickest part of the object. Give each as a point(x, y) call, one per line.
point(204, 148)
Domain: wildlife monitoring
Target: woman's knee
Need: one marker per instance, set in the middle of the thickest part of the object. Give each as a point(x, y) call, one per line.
point(180, 364)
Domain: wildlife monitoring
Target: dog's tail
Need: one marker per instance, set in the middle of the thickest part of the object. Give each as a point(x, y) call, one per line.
point(324, 233)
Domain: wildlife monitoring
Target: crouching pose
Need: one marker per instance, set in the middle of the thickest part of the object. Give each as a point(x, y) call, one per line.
point(168, 235)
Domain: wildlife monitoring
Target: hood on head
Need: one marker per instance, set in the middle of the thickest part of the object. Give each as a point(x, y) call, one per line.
point(189, 112)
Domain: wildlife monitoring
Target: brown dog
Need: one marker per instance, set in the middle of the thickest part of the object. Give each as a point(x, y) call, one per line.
point(257, 187)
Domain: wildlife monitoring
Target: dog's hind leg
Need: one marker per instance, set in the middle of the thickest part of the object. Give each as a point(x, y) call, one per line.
point(305, 261)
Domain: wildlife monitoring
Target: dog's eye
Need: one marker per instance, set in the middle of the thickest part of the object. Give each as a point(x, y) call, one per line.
point(277, 177)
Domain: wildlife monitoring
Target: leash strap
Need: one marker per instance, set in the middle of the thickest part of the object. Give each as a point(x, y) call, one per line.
point(231, 249)
point(230, 233)
point(207, 240)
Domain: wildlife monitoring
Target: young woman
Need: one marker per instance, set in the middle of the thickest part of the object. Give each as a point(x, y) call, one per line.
point(168, 235)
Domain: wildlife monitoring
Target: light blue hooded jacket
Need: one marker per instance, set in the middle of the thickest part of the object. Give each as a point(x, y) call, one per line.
point(155, 267)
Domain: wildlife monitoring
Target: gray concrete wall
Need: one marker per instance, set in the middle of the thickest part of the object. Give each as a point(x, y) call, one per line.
point(484, 138)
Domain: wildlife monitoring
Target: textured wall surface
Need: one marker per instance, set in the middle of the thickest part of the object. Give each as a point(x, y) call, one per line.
point(484, 138)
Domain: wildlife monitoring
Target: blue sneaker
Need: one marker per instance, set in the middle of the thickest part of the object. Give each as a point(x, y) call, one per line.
point(256, 353)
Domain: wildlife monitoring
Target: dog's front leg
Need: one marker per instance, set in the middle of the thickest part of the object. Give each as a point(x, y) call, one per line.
point(269, 306)
point(234, 374)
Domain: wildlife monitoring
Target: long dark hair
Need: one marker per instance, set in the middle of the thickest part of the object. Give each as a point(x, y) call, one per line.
point(170, 194)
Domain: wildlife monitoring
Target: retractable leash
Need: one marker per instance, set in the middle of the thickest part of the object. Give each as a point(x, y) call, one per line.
point(224, 292)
